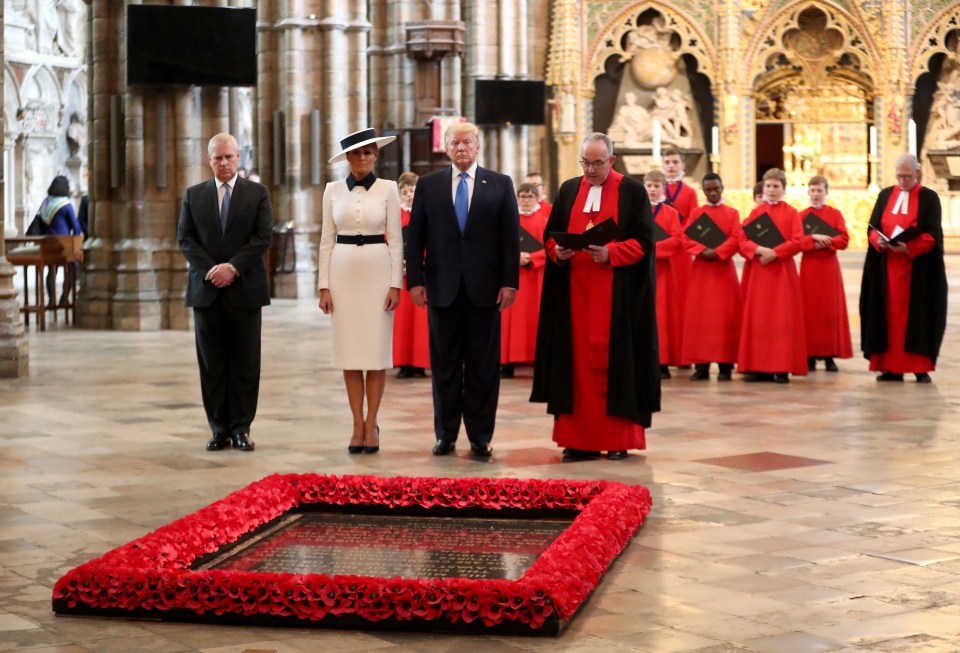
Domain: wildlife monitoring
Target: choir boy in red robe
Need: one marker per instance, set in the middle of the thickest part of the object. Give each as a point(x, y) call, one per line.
point(772, 340)
point(903, 296)
point(682, 197)
point(518, 323)
point(714, 310)
point(411, 338)
point(536, 179)
point(669, 310)
point(821, 283)
point(597, 364)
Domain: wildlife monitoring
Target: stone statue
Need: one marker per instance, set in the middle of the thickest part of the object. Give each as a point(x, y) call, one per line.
point(70, 34)
point(652, 59)
point(631, 127)
point(77, 134)
point(672, 109)
point(46, 25)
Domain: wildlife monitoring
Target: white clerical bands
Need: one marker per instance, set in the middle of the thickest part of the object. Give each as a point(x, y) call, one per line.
point(901, 206)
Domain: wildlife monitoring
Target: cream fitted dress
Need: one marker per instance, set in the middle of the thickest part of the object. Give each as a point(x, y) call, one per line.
point(359, 276)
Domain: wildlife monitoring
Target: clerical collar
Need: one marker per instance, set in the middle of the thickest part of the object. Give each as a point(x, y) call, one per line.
point(674, 180)
point(659, 201)
point(593, 199)
point(366, 182)
point(817, 206)
point(529, 212)
point(772, 203)
point(720, 203)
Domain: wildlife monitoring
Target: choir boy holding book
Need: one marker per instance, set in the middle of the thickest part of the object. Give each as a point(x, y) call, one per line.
point(821, 283)
point(518, 324)
point(669, 237)
point(772, 339)
point(714, 308)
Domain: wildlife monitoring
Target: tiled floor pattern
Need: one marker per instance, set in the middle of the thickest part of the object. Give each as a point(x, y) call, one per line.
point(816, 517)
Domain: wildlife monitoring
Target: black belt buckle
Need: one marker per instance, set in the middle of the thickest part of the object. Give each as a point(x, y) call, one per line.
point(360, 240)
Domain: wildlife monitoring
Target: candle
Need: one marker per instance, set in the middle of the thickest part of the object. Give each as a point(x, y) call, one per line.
point(715, 140)
point(912, 138)
point(656, 140)
point(873, 140)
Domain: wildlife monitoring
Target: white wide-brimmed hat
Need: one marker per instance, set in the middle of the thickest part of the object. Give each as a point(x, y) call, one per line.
point(359, 139)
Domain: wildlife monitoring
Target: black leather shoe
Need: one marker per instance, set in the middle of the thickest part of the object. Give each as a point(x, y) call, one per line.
point(831, 365)
point(406, 372)
point(617, 455)
point(480, 450)
point(218, 441)
point(700, 375)
point(758, 377)
point(724, 376)
point(664, 372)
point(811, 363)
point(419, 373)
point(243, 442)
point(506, 371)
point(923, 377)
point(890, 376)
point(582, 454)
point(444, 447)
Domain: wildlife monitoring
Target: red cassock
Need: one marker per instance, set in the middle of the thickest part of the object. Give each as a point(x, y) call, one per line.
point(771, 336)
point(683, 198)
point(518, 324)
point(821, 286)
point(411, 337)
point(714, 308)
point(669, 301)
point(899, 271)
point(589, 427)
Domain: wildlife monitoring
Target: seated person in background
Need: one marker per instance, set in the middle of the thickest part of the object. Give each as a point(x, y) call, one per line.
point(56, 213)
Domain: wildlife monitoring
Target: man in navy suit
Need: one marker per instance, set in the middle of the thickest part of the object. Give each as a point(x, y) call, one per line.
point(224, 230)
point(463, 253)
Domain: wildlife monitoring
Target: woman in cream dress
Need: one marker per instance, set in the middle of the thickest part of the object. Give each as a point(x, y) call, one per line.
point(360, 275)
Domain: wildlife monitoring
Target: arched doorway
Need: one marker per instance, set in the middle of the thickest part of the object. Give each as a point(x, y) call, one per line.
point(813, 95)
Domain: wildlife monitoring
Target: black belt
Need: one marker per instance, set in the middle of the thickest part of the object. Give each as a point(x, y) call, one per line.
point(361, 240)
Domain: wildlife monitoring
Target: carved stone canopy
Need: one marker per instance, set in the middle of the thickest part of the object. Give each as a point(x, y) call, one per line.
point(429, 39)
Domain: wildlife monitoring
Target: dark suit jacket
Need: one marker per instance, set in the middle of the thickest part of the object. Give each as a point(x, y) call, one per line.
point(249, 229)
point(485, 257)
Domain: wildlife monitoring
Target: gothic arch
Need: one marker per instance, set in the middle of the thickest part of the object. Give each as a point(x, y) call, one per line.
point(856, 57)
point(933, 41)
point(610, 39)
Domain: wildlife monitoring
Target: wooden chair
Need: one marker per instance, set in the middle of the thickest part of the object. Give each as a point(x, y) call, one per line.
point(40, 253)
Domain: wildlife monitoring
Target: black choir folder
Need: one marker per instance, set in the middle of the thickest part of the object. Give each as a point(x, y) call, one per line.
point(899, 235)
point(659, 233)
point(814, 224)
point(528, 243)
point(763, 232)
point(599, 234)
point(706, 232)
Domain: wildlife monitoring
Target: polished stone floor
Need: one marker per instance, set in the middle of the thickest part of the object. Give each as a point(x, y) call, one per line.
point(819, 516)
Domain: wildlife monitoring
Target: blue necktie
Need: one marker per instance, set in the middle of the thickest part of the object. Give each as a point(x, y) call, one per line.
point(461, 203)
point(225, 207)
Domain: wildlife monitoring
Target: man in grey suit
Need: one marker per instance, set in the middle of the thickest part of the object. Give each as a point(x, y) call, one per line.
point(224, 231)
point(463, 263)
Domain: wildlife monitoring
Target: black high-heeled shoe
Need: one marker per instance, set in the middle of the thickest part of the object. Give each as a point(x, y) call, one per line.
point(354, 448)
point(376, 448)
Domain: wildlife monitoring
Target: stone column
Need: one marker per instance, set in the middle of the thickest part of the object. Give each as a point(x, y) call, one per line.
point(148, 146)
point(14, 350)
point(727, 93)
point(564, 75)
